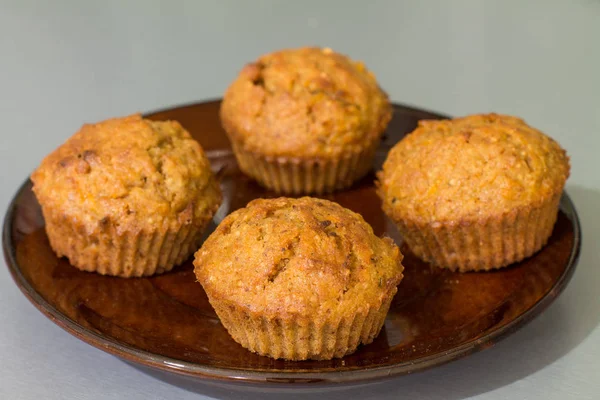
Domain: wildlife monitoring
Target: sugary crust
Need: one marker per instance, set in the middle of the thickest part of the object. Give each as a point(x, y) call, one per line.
point(120, 191)
point(305, 103)
point(131, 172)
point(474, 193)
point(299, 278)
point(306, 257)
point(466, 169)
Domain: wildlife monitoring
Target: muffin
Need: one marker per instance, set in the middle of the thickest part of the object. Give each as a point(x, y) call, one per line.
point(474, 193)
point(127, 196)
point(299, 278)
point(305, 120)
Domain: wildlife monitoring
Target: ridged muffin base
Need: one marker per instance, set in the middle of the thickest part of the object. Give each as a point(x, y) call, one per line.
point(305, 176)
point(490, 243)
point(301, 338)
point(123, 254)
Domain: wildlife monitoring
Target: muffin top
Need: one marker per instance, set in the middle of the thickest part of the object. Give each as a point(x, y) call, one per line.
point(298, 257)
point(467, 168)
point(307, 102)
point(131, 172)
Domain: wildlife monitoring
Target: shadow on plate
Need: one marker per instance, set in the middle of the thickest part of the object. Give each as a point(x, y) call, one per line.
point(548, 338)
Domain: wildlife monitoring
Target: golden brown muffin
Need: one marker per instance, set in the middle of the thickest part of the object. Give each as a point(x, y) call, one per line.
point(305, 120)
point(127, 196)
point(474, 193)
point(299, 278)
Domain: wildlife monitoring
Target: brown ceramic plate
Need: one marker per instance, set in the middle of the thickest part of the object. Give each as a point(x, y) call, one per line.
point(166, 322)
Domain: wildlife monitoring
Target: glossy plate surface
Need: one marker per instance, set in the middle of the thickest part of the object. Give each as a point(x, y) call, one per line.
point(166, 321)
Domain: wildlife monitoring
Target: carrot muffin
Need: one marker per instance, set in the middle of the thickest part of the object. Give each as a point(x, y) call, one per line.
point(474, 193)
point(127, 196)
point(299, 278)
point(305, 120)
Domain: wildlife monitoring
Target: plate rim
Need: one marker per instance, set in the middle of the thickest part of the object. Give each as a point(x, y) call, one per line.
point(279, 377)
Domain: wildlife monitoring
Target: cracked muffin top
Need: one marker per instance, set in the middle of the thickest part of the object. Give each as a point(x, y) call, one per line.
point(467, 168)
point(298, 257)
point(130, 172)
point(307, 102)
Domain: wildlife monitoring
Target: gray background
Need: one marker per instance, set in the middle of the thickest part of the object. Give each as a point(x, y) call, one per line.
point(69, 62)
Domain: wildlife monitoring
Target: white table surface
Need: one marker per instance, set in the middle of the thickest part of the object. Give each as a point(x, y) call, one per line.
point(69, 62)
